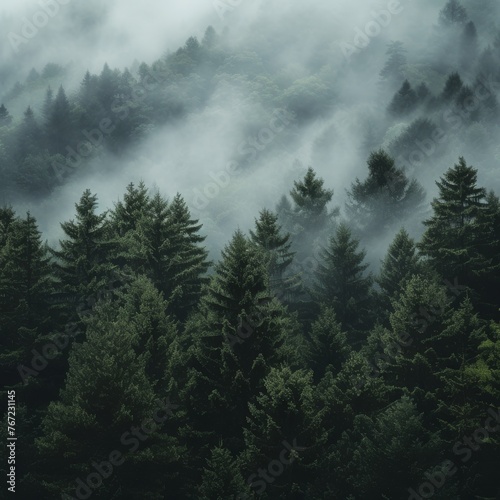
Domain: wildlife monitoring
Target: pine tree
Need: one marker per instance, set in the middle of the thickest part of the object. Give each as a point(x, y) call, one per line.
point(452, 87)
point(59, 124)
point(188, 259)
point(457, 346)
point(284, 425)
point(28, 136)
point(83, 262)
point(106, 404)
point(405, 100)
point(410, 357)
point(48, 104)
point(342, 283)
point(311, 200)
point(469, 46)
point(144, 308)
point(370, 468)
point(237, 336)
point(386, 196)
point(25, 288)
point(128, 213)
point(222, 477)
point(327, 347)
point(268, 236)
point(454, 231)
point(5, 118)
point(399, 266)
point(453, 13)
point(393, 70)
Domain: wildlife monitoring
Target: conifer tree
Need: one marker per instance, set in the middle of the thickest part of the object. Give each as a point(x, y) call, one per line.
point(369, 469)
point(453, 13)
point(341, 282)
point(385, 197)
point(237, 336)
point(276, 246)
point(393, 70)
point(28, 136)
point(222, 477)
point(107, 404)
point(400, 264)
point(311, 200)
point(454, 231)
point(5, 118)
point(26, 285)
point(188, 259)
point(59, 124)
point(284, 424)
point(405, 100)
point(327, 348)
point(452, 87)
point(83, 262)
point(410, 347)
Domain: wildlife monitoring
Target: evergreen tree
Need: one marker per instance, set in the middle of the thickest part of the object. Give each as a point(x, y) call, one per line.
point(107, 395)
point(128, 213)
point(188, 262)
point(311, 200)
point(399, 266)
point(327, 347)
point(83, 262)
point(454, 230)
point(410, 357)
point(5, 118)
point(452, 87)
point(453, 13)
point(457, 346)
point(393, 71)
point(28, 136)
point(284, 422)
point(59, 124)
point(405, 100)
point(385, 197)
point(222, 477)
point(276, 245)
point(48, 104)
point(342, 283)
point(372, 445)
point(25, 288)
point(237, 336)
point(469, 46)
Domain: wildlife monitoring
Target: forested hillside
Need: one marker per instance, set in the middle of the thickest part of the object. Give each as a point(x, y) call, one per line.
point(345, 344)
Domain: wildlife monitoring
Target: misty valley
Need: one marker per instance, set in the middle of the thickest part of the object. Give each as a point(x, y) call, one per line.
point(250, 250)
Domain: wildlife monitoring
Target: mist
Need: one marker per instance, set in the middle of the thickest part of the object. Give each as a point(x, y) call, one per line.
point(296, 42)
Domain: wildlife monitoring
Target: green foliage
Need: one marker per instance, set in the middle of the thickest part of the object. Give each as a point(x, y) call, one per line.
point(385, 197)
point(343, 284)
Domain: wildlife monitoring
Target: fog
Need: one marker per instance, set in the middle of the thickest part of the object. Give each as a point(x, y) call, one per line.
point(299, 41)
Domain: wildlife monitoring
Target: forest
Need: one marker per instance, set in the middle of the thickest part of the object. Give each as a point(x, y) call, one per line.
point(344, 344)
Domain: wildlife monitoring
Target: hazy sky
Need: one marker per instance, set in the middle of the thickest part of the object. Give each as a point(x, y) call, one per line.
point(186, 157)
